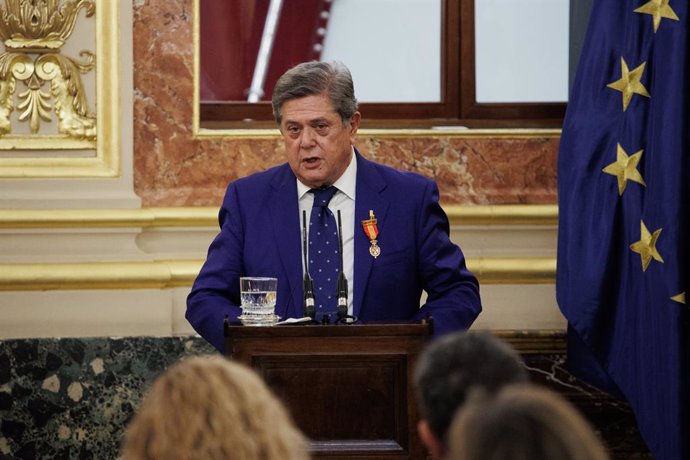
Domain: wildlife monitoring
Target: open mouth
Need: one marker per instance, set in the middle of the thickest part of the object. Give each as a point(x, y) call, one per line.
point(312, 161)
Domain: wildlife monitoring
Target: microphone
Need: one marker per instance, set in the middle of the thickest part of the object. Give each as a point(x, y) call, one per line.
point(342, 280)
point(309, 304)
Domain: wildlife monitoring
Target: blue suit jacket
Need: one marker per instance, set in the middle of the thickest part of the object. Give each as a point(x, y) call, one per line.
point(261, 236)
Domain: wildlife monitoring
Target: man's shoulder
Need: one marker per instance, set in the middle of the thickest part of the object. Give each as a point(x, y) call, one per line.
point(262, 179)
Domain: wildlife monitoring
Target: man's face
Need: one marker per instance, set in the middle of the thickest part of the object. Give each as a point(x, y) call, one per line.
point(318, 142)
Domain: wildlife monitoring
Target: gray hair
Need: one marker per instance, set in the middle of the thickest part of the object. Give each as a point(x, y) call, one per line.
point(313, 78)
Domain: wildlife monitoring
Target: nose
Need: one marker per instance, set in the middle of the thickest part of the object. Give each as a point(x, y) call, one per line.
point(308, 139)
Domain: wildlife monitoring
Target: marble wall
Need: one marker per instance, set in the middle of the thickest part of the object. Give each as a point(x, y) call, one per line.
point(172, 167)
point(71, 398)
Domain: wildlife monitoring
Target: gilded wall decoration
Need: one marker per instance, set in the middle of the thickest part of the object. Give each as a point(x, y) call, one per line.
point(40, 28)
point(60, 94)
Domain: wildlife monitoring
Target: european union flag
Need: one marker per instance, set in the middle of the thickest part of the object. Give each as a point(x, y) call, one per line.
point(623, 174)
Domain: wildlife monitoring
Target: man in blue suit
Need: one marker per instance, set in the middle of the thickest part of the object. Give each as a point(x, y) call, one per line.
point(387, 264)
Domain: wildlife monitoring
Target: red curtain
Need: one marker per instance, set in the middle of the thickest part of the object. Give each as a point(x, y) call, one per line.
point(230, 35)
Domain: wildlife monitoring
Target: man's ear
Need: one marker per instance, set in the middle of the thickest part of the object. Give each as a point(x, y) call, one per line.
point(354, 125)
point(429, 439)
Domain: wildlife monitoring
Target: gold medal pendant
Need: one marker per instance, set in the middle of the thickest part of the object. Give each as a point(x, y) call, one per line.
point(374, 249)
point(372, 232)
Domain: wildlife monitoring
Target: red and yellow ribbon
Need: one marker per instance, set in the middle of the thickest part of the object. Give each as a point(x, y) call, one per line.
point(372, 232)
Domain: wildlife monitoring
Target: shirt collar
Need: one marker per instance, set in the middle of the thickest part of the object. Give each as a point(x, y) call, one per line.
point(346, 183)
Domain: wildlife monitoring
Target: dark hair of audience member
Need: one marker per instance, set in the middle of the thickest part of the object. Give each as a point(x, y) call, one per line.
point(453, 364)
point(211, 408)
point(522, 422)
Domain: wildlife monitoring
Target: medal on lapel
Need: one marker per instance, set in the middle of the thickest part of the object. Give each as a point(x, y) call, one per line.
point(372, 232)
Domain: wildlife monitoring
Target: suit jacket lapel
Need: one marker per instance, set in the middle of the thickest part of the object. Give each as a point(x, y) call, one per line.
point(370, 184)
point(285, 218)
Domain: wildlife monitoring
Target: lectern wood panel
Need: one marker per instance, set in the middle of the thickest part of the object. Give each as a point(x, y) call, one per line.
point(348, 388)
point(364, 398)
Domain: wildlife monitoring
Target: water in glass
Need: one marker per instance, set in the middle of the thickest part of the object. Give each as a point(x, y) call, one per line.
point(258, 296)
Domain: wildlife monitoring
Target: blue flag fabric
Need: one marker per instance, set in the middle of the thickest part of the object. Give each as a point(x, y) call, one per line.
point(623, 175)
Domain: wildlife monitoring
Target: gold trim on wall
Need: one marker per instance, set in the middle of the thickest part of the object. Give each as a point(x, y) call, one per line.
point(99, 218)
point(208, 216)
point(181, 273)
point(508, 214)
point(105, 162)
point(196, 69)
point(459, 132)
point(98, 275)
point(522, 270)
point(174, 273)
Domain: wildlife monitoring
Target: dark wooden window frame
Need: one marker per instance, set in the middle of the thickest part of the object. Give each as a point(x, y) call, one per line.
point(458, 106)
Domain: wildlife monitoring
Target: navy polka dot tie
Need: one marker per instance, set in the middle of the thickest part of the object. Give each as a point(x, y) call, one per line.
point(324, 260)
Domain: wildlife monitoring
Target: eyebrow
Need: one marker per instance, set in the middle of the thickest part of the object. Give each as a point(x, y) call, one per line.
point(319, 120)
point(310, 122)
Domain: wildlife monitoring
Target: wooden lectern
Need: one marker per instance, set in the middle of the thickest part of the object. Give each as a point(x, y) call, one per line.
point(348, 387)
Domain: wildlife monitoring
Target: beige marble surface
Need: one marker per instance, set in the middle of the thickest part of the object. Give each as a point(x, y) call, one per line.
point(173, 168)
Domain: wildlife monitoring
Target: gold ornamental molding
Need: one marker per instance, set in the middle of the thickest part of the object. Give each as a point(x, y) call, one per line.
point(431, 133)
point(104, 218)
point(47, 124)
point(509, 214)
point(98, 275)
point(208, 216)
point(522, 270)
point(162, 274)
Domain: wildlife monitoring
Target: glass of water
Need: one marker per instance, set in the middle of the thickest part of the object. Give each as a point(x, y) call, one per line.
point(258, 295)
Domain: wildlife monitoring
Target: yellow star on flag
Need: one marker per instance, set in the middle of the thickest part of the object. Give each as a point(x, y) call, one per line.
point(658, 9)
point(646, 246)
point(680, 298)
point(625, 168)
point(630, 83)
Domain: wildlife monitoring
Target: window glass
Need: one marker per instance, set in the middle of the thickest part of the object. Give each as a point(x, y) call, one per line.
point(392, 48)
point(521, 49)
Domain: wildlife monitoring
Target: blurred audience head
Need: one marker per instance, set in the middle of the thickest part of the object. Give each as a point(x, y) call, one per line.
point(522, 422)
point(207, 407)
point(449, 368)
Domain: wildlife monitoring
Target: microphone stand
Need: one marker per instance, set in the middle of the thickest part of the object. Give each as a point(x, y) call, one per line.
point(309, 303)
point(342, 283)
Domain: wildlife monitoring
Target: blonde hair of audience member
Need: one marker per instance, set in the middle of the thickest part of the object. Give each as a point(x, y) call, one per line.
point(523, 422)
point(212, 408)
